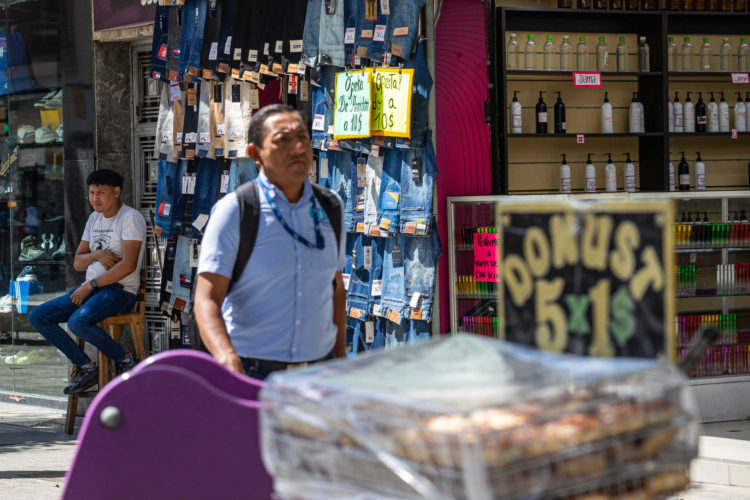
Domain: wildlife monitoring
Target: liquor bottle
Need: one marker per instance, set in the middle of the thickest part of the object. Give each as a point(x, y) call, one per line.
point(560, 125)
point(701, 114)
point(602, 55)
point(548, 55)
point(513, 53)
point(622, 56)
point(541, 115)
point(606, 116)
point(566, 54)
point(687, 55)
point(683, 171)
point(706, 50)
point(516, 119)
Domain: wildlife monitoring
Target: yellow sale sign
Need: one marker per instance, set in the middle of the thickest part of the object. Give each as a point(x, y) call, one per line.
point(391, 102)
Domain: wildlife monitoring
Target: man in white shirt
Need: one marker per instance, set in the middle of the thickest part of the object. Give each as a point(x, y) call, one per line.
point(111, 252)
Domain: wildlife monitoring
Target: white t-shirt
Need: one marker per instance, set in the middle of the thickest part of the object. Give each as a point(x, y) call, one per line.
point(104, 233)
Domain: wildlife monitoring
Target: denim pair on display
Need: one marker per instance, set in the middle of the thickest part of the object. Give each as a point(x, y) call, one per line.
point(206, 187)
point(365, 43)
point(374, 173)
point(190, 124)
point(358, 191)
point(174, 43)
point(204, 120)
point(350, 26)
point(323, 105)
point(418, 174)
point(209, 58)
point(311, 33)
point(390, 192)
point(191, 42)
point(159, 44)
point(182, 275)
point(335, 173)
point(168, 197)
point(226, 29)
point(237, 114)
point(241, 170)
point(323, 34)
point(394, 283)
point(83, 321)
point(402, 32)
point(358, 294)
point(421, 255)
point(164, 127)
point(420, 100)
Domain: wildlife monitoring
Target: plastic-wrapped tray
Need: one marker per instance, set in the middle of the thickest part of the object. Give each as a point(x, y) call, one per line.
point(470, 417)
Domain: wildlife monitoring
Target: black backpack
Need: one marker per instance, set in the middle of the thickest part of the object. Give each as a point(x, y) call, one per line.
point(249, 199)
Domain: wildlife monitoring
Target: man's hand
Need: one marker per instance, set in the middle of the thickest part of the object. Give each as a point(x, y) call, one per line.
point(107, 258)
point(231, 361)
point(81, 294)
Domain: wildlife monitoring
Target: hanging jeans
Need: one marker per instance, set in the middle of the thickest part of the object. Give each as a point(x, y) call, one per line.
point(311, 33)
point(334, 170)
point(228, 17)
point(377, 246)
point(209, 58)
point(168, 197)
point(365, 34)
point(193, 19)
point(394, 287)
point(420, 100)
point(190, 125)
point(182, 275)
point(164, 127)
point(402, 32)
point(390, 192)
point(159, 44)
point(237, 114)
point(331, 44)
point(174, 39)
point(416, 331)
point(241, 170)
point(206, 187)
point(359, 169)
point(83, 321)
point(418, 173)
point(420, 261)
point(359, 283)
point(204, 120)
point(350, 24)
point(372, 191)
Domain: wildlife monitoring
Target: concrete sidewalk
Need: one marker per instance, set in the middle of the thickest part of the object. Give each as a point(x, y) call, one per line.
point(37, 455)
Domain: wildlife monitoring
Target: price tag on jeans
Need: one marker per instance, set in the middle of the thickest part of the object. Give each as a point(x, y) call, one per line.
point(191, 137)
point(414, 302)
point(319, 123)
point(377, 288)
point(421, 228)
point(377, 310)
point(165, 209)
point(345, 278)
point(279, 46)
point(252, 56)
point(379, 35)
point(304, 91)
point(368, 257)
point(237, 56)
point(369, 332)
point(224, 187)
point(174, 91)
point(349, 36)
point(195, 251)
point(394, 316)
point(213, 53)
point(356, 313)
point(385, 7)
point(178, 137)
point(228, 46)
point(221, 129)
point(168, 287)
point(266, 49)
point(324, 168)
point(204, 137)
point(580, 139)
point(174, 329)
point(254, 99)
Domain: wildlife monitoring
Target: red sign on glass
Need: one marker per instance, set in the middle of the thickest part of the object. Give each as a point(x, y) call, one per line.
point(586, 80)
point(485, 257)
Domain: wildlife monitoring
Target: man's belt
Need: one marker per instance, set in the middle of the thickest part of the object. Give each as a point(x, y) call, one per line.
point(275, 366)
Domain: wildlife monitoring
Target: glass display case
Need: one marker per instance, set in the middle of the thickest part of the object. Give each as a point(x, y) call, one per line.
point(32, 220)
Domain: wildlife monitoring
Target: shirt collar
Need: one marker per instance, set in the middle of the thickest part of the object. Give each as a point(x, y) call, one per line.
point(278, 195)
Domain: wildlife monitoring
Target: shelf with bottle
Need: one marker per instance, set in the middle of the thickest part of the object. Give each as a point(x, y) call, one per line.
point(724, 6)
point(702, 234)
point(701, 55)
point(468, 288)
point(688, 326)
point(731, 280)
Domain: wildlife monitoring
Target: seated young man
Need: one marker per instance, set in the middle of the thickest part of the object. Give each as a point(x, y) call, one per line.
point(111, 252)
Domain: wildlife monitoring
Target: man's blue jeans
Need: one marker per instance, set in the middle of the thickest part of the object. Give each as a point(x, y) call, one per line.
point(417, 185)
point(420, 261)
point(331, 41)
point(375, 50)
point(338, 178)
point(311, 34)
point(394, 287)
point(83, 322)
point(404, 14)
point(390, 191)
point(168, 197)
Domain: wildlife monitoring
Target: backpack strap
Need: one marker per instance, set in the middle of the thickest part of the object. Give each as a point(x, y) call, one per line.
point(249, 200)
point(332, 206)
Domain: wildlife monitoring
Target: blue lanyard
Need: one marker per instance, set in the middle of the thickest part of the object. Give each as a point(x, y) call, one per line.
point(320, 242)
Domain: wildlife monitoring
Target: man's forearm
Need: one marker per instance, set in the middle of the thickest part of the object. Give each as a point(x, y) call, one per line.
point(82, 261)
point(212, 328)
point(339, 319)
point(116, 273)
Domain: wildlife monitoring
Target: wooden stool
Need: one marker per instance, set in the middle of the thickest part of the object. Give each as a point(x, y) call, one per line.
point(113, 326)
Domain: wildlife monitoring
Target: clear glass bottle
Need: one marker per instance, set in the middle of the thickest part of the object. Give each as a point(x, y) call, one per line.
point(602, 55)
point(513, 53)
point(644, 55)
point(529, 55)
point(672, 55)
point(687, 55)
point(706, 50)
point(743, 56)
point(725, 53)
point(548, 58)
point(582, 54)
point(566, 54)
point(622, 55)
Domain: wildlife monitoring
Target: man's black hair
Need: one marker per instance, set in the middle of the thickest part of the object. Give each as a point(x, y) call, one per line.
point(257, 128)
point(104, 177)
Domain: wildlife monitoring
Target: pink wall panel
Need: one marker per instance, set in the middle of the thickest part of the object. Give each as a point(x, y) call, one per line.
point(462, 134)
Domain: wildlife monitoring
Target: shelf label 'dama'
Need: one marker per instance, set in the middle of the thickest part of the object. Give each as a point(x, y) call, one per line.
point(740, 78)
point(586, 80)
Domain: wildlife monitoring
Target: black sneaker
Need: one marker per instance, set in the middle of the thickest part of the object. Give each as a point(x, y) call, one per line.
point(124, 365)
point(83, 379)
